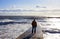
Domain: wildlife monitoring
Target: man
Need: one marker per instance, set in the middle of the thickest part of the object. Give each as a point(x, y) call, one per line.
point(34, 25)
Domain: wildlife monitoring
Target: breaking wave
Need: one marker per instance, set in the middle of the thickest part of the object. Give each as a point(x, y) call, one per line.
point(8, 21)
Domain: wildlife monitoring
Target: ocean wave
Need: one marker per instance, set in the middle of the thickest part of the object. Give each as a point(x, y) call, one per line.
point(51, 30)
point(8, 21)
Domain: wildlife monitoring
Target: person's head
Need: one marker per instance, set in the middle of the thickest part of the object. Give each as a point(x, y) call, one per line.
point(34, 19)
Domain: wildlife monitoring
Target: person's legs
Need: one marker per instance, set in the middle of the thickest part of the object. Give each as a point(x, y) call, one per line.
point(34, 29)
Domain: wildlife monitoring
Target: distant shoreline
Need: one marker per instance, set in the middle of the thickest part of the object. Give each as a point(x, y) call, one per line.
point(32, 16)
point(25, 17)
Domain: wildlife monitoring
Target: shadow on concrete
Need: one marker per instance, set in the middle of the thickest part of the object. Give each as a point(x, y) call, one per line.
point(28, 36)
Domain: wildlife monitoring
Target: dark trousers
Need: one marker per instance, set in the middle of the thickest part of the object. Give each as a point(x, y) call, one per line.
point(33, 29)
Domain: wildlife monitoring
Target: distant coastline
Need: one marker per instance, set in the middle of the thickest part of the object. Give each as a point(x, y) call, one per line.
point(28, 17)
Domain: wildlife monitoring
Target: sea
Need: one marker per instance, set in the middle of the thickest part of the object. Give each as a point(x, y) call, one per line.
point(11, 28)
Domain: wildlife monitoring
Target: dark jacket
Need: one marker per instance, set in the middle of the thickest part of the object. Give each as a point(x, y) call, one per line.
point(34, 24)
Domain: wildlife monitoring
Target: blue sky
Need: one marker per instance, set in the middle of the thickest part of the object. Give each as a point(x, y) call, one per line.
point(17, 3)
point(29, 4)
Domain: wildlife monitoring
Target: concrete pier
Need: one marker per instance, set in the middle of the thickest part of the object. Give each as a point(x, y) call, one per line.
point(28, 34)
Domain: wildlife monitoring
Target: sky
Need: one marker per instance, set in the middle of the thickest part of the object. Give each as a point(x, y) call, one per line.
point(30, 4)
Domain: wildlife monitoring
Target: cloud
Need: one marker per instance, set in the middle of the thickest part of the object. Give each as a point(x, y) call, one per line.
point(28, 12)
point(37, 6)
point(13, 6)
point(17, 10)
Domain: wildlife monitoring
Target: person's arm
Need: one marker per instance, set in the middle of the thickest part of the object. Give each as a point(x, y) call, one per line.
point(36, 23)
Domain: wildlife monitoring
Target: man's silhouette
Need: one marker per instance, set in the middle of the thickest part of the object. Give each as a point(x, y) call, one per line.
point(34, 25)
